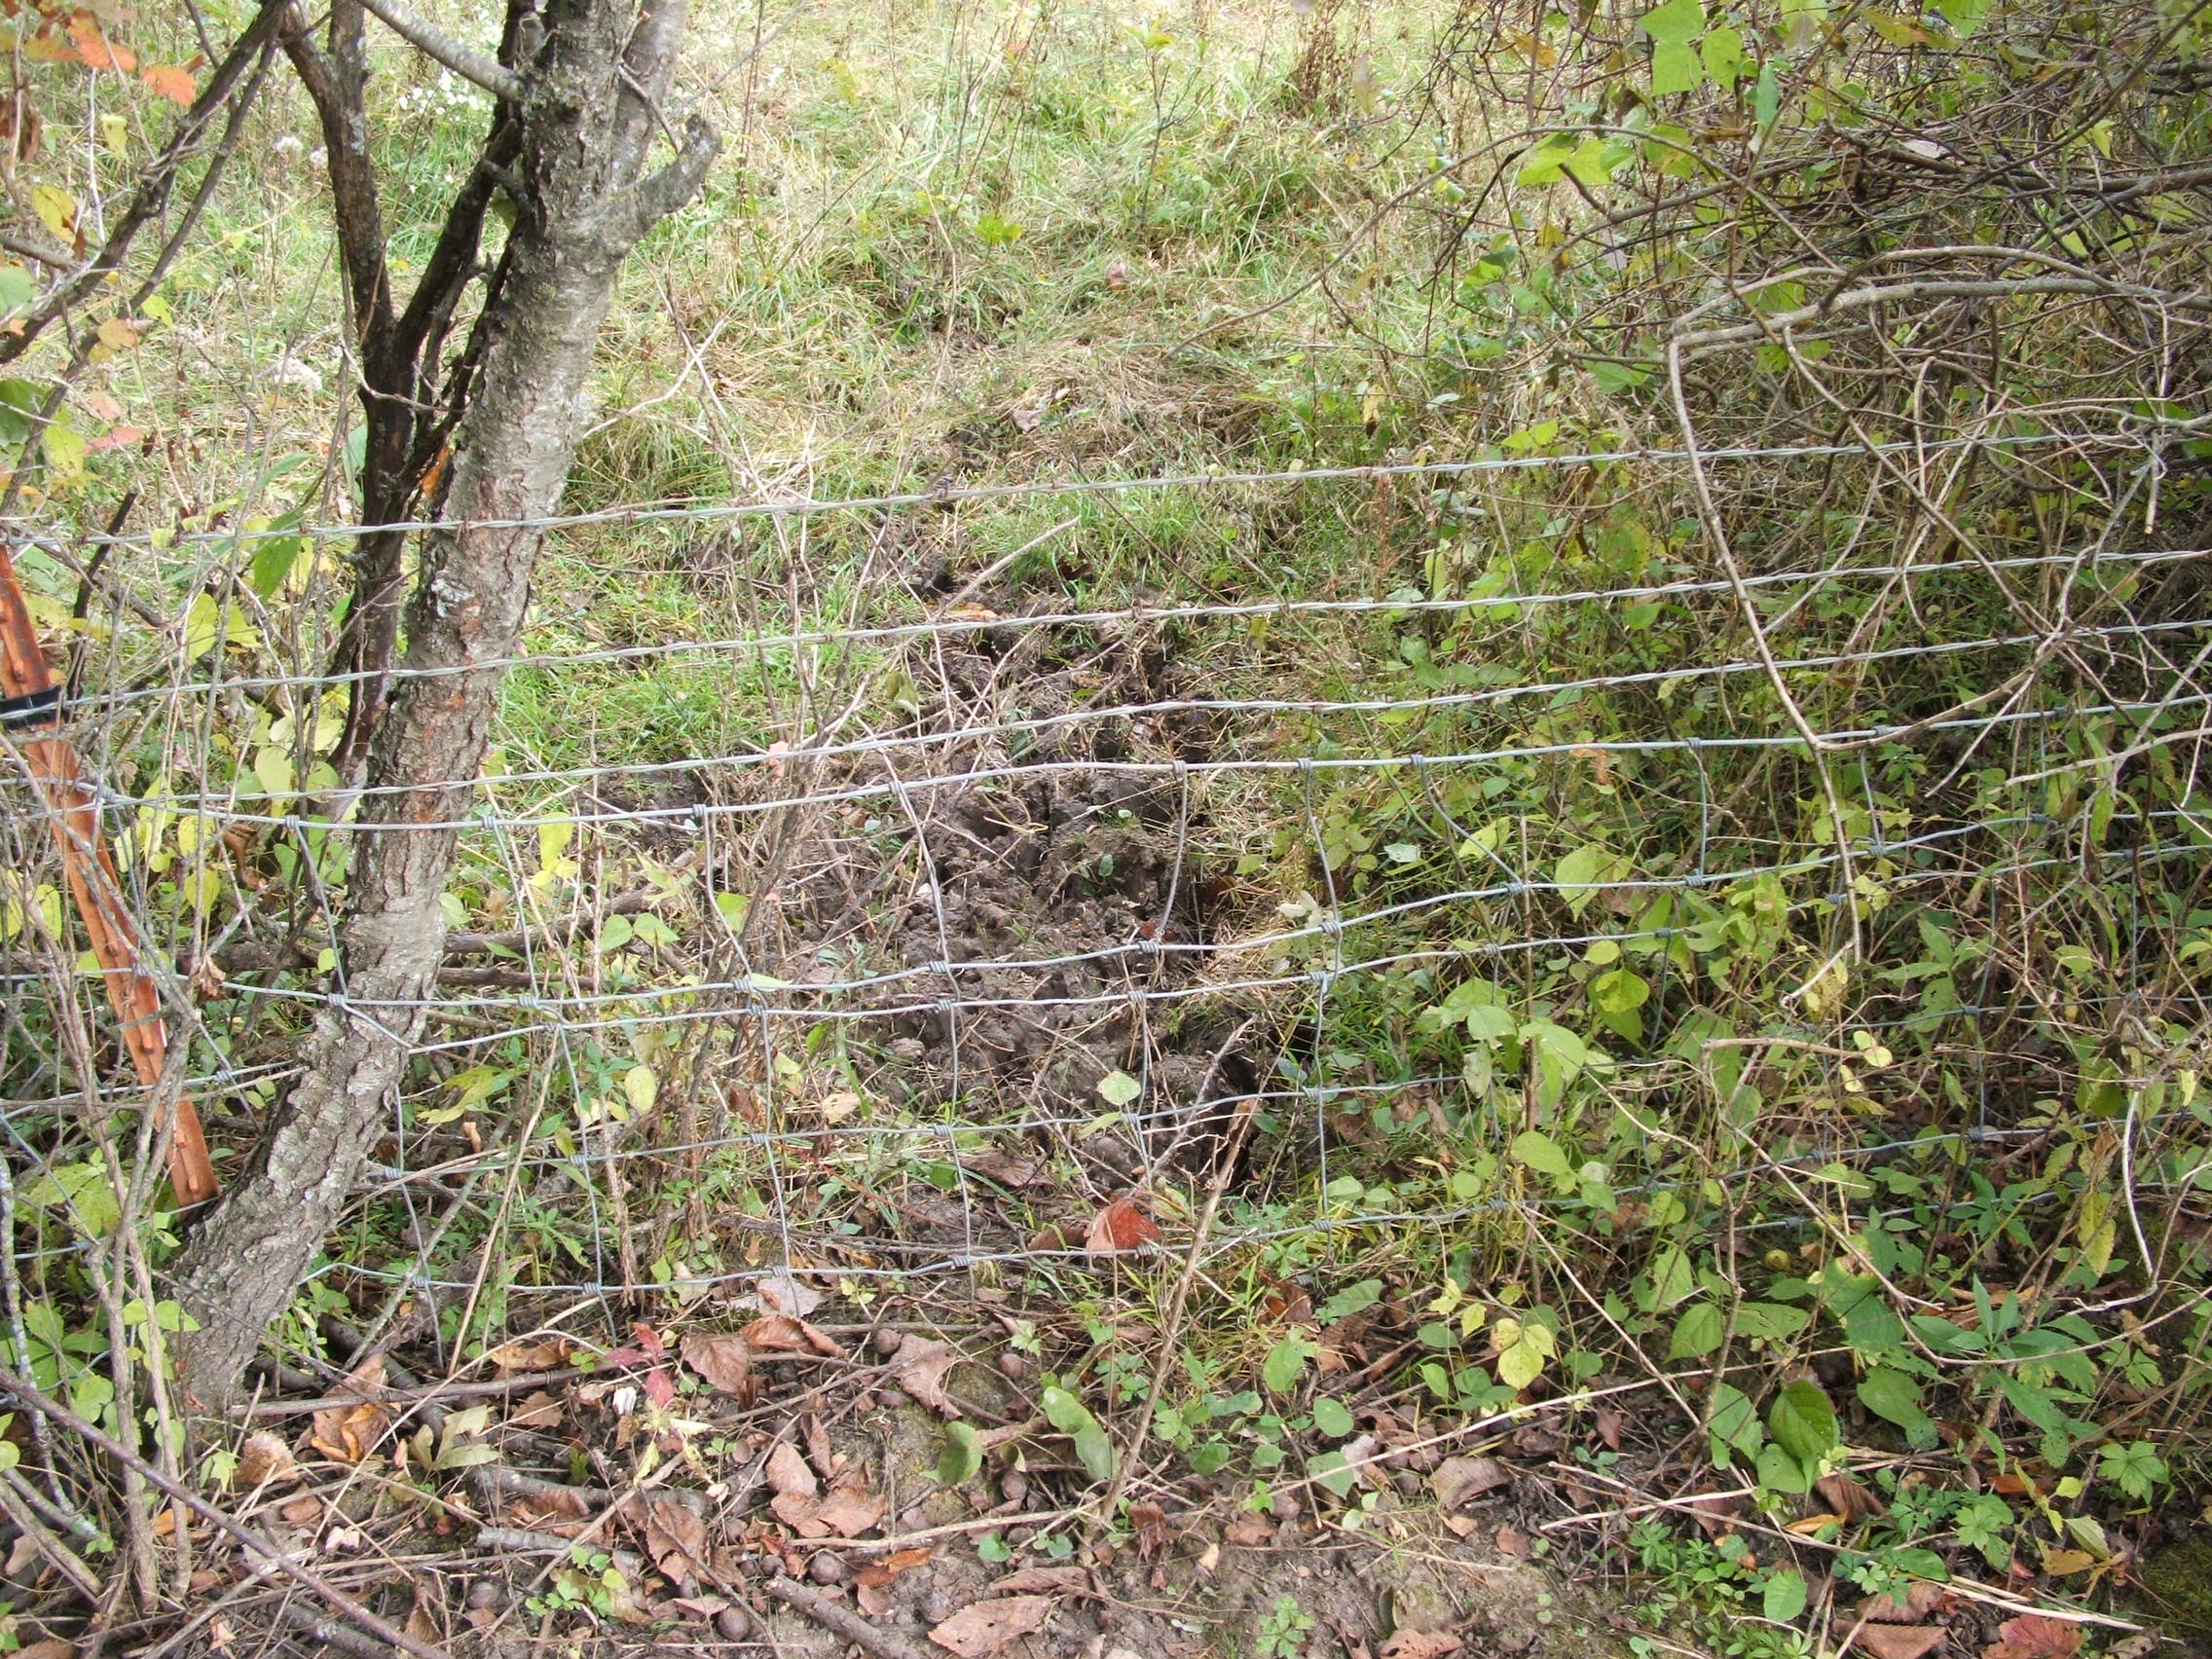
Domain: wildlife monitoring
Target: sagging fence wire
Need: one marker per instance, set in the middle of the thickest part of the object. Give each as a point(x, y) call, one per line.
point(1359, 868)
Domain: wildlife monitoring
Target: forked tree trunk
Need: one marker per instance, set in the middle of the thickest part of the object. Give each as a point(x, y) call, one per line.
point(590, 112)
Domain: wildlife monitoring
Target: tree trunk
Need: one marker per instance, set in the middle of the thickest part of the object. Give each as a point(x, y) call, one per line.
point(590, 111)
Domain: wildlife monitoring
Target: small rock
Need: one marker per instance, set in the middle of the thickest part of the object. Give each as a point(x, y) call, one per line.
point(938, 1606)
point(887, 1342)
point(1015, 1486)
point(485, 1593)
point(734, 1624)
point(827, 1568)
point(914, 1519)
point(1407, 1482)
point(1011, 1366)
point(1018, 1537)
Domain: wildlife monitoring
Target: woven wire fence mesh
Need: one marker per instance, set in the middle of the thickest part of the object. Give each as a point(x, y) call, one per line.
point(1017, 887)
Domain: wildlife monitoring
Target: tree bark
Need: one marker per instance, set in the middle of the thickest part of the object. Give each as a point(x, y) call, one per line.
point(587, 121)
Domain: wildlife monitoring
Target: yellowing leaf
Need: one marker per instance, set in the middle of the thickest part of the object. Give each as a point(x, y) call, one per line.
point(56, 210)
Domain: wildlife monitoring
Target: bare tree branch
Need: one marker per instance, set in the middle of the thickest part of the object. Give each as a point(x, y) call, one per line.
point(433, 42)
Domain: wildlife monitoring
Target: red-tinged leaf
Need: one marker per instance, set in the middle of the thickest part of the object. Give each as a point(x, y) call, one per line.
point(649, 1341)
point(172, 81)
point(780, 1332)
point(1922, 1597)
point(97, 51)
point(1609, 1427)
point(1249, 1531)
point(1149, 1522)
point(661, 1387)
point(981, 1628)
point(2033, 1635)
point(1121, 1226)
point(1898, 1642)
point(724, 1359)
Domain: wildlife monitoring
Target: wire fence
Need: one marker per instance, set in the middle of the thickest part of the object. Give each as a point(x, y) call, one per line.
point(1000, 872)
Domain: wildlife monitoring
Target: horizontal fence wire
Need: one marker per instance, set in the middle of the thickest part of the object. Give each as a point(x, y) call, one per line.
point(934, 890)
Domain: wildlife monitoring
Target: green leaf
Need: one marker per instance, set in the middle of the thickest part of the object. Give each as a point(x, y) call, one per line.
point(732, 907)
point(1785, 1596)
point(1583, 873)
point(963, 1455)
point(1724, 54)
point(1697, 1333)
point(1353, 1299)
point(1592, 163)
point(1766, 97)
point(1062, 1409)
point(1770, 1320)
point(1540, 1152)
point(1673, 1280)
point(1332, 1416)
point(1546, 162)
point(18, 288)
point(1894, 1398)
point(1286, 1362)
point(1734, 1426)
point(273, 562)
point(1780, 1471)
point(1333, 1472)
point(1095, 1451)
point(1119, 1088)
point(1674, 68)
point(1676, 23)
point(1803, 1423)
point(1522, 1349)
point(65, 447)
point(1622, 992)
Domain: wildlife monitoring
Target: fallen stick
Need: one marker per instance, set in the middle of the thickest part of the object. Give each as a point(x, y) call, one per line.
point(276, 1559)
point(841, 1620)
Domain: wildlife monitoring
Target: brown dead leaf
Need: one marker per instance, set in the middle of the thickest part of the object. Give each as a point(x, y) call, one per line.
point(787, 1473)
point(1848, 1498)
point(1007, 1169)
point(422, 1627)
point(1512, 1543)
point(529, 1356)
point(1461, 1526)
point(1119, 1227)
point(1922, 1597)
point(676, 1537)
point(820, 1453)
point(1149, 1522)
point(981, 1628)
point(1249, 1531)
point(2033, 1635)
point(1609, 1427)
point(2064, 1564)
point(264, 1459)
point(845, 1511)
point(1536, 1440)
point(876, 1601)
point(1898, 1642)
point(1422, 1644)
point(46, 1649)
point(1045, 1581)
point(303, 1511)
point(1812, 1524)
point(881, 1572)
point(920, 1367)
point(725, 1360)
point(780, 1332)
point(539, 1411)
point(346, 1434)
point(1458, 1481)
